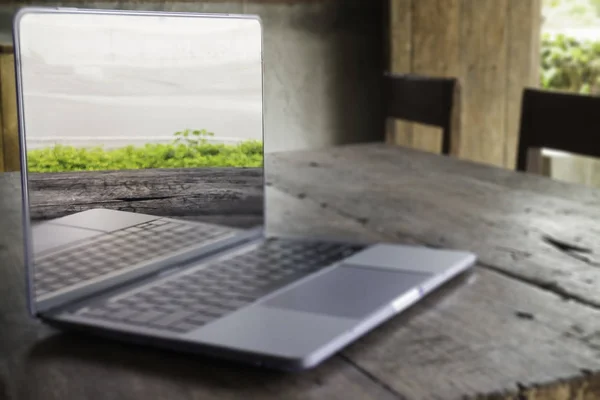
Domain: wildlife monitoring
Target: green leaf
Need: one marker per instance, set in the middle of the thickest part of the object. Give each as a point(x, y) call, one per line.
point(569, 64)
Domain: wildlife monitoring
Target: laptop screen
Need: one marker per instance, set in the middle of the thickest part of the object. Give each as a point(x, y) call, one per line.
point(142, 139)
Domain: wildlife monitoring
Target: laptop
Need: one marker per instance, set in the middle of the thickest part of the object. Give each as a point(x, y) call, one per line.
point(121, 112)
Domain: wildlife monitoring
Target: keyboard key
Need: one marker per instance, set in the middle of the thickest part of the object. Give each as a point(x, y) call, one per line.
point(122, 314)
point(185, 327)
point(159, 228)
point(172, 319)
point(169, 308)
point(147, 316)
point(159, 222)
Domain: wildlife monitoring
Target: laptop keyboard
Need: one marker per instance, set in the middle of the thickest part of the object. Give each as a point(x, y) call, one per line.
point(188, 300)
point(115, 251)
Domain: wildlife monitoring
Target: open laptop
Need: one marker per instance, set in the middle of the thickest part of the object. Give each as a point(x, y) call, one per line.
point(202, 275)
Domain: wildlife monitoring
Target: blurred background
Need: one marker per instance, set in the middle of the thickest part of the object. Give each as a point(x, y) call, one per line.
point(324, 60)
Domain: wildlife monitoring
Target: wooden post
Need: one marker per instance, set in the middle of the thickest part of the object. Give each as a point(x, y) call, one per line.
point(524, 19)
point(491, 46)
point(9, 133)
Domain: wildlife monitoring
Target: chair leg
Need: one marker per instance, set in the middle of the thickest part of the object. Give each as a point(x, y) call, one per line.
point(446, 141)
point(390, 131)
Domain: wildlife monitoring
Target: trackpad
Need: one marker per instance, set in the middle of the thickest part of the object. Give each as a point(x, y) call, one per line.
point(348, 291)
point(47, 236)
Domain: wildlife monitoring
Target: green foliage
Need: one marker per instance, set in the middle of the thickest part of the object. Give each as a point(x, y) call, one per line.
point(189, 149)
point(570, 64)
point(596, 5)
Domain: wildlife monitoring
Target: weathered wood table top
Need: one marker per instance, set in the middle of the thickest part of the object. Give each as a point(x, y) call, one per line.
point(524, 324)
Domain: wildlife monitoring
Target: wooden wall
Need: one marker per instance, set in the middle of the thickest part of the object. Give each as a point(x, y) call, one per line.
point(491, 46)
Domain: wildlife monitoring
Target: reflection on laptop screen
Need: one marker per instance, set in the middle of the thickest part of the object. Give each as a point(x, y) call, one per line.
point(144, 139)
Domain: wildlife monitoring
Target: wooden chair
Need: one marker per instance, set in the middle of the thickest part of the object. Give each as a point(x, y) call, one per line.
point(559, 121)
point(422, 99)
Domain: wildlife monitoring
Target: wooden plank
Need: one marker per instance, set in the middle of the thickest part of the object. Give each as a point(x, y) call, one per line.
point(486, 336)
point(8, 100)
point(2, 158)
point(232, 195)
point(483, 43)
point(283, 208)
point(401, 35)
point(413, 160)
point(511, 230)
point(436, 52)
point(401, 60)
point(523, 30)
point(436, 46)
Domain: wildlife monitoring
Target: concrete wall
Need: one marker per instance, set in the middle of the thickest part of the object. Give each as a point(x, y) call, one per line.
point(323, 60)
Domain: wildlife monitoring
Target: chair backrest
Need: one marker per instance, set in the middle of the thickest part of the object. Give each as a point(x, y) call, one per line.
point(559, 121)
point(422, 99)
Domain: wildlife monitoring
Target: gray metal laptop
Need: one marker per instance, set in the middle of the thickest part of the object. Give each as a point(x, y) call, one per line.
point(128, 81)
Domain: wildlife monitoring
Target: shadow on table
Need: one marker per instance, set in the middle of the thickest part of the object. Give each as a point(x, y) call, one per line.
point(70, 349)
point(68, 365)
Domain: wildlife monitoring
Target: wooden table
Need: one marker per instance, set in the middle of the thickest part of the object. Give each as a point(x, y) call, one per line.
point(227, 196)
point(524, 325)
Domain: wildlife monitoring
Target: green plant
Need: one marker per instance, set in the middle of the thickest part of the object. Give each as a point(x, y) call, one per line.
point(570, 64)
point(193, 138)
point(189, 149)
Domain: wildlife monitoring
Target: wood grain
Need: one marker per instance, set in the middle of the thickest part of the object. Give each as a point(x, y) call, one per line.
point(232, 196)
point(522, 64)
point(2, 117)
point(10, 131)
point(502, 177)
point(401, 47)
point(8, 116)
point(484, 55)
point(436, 52)
point(491, 334)
point(472, 332)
